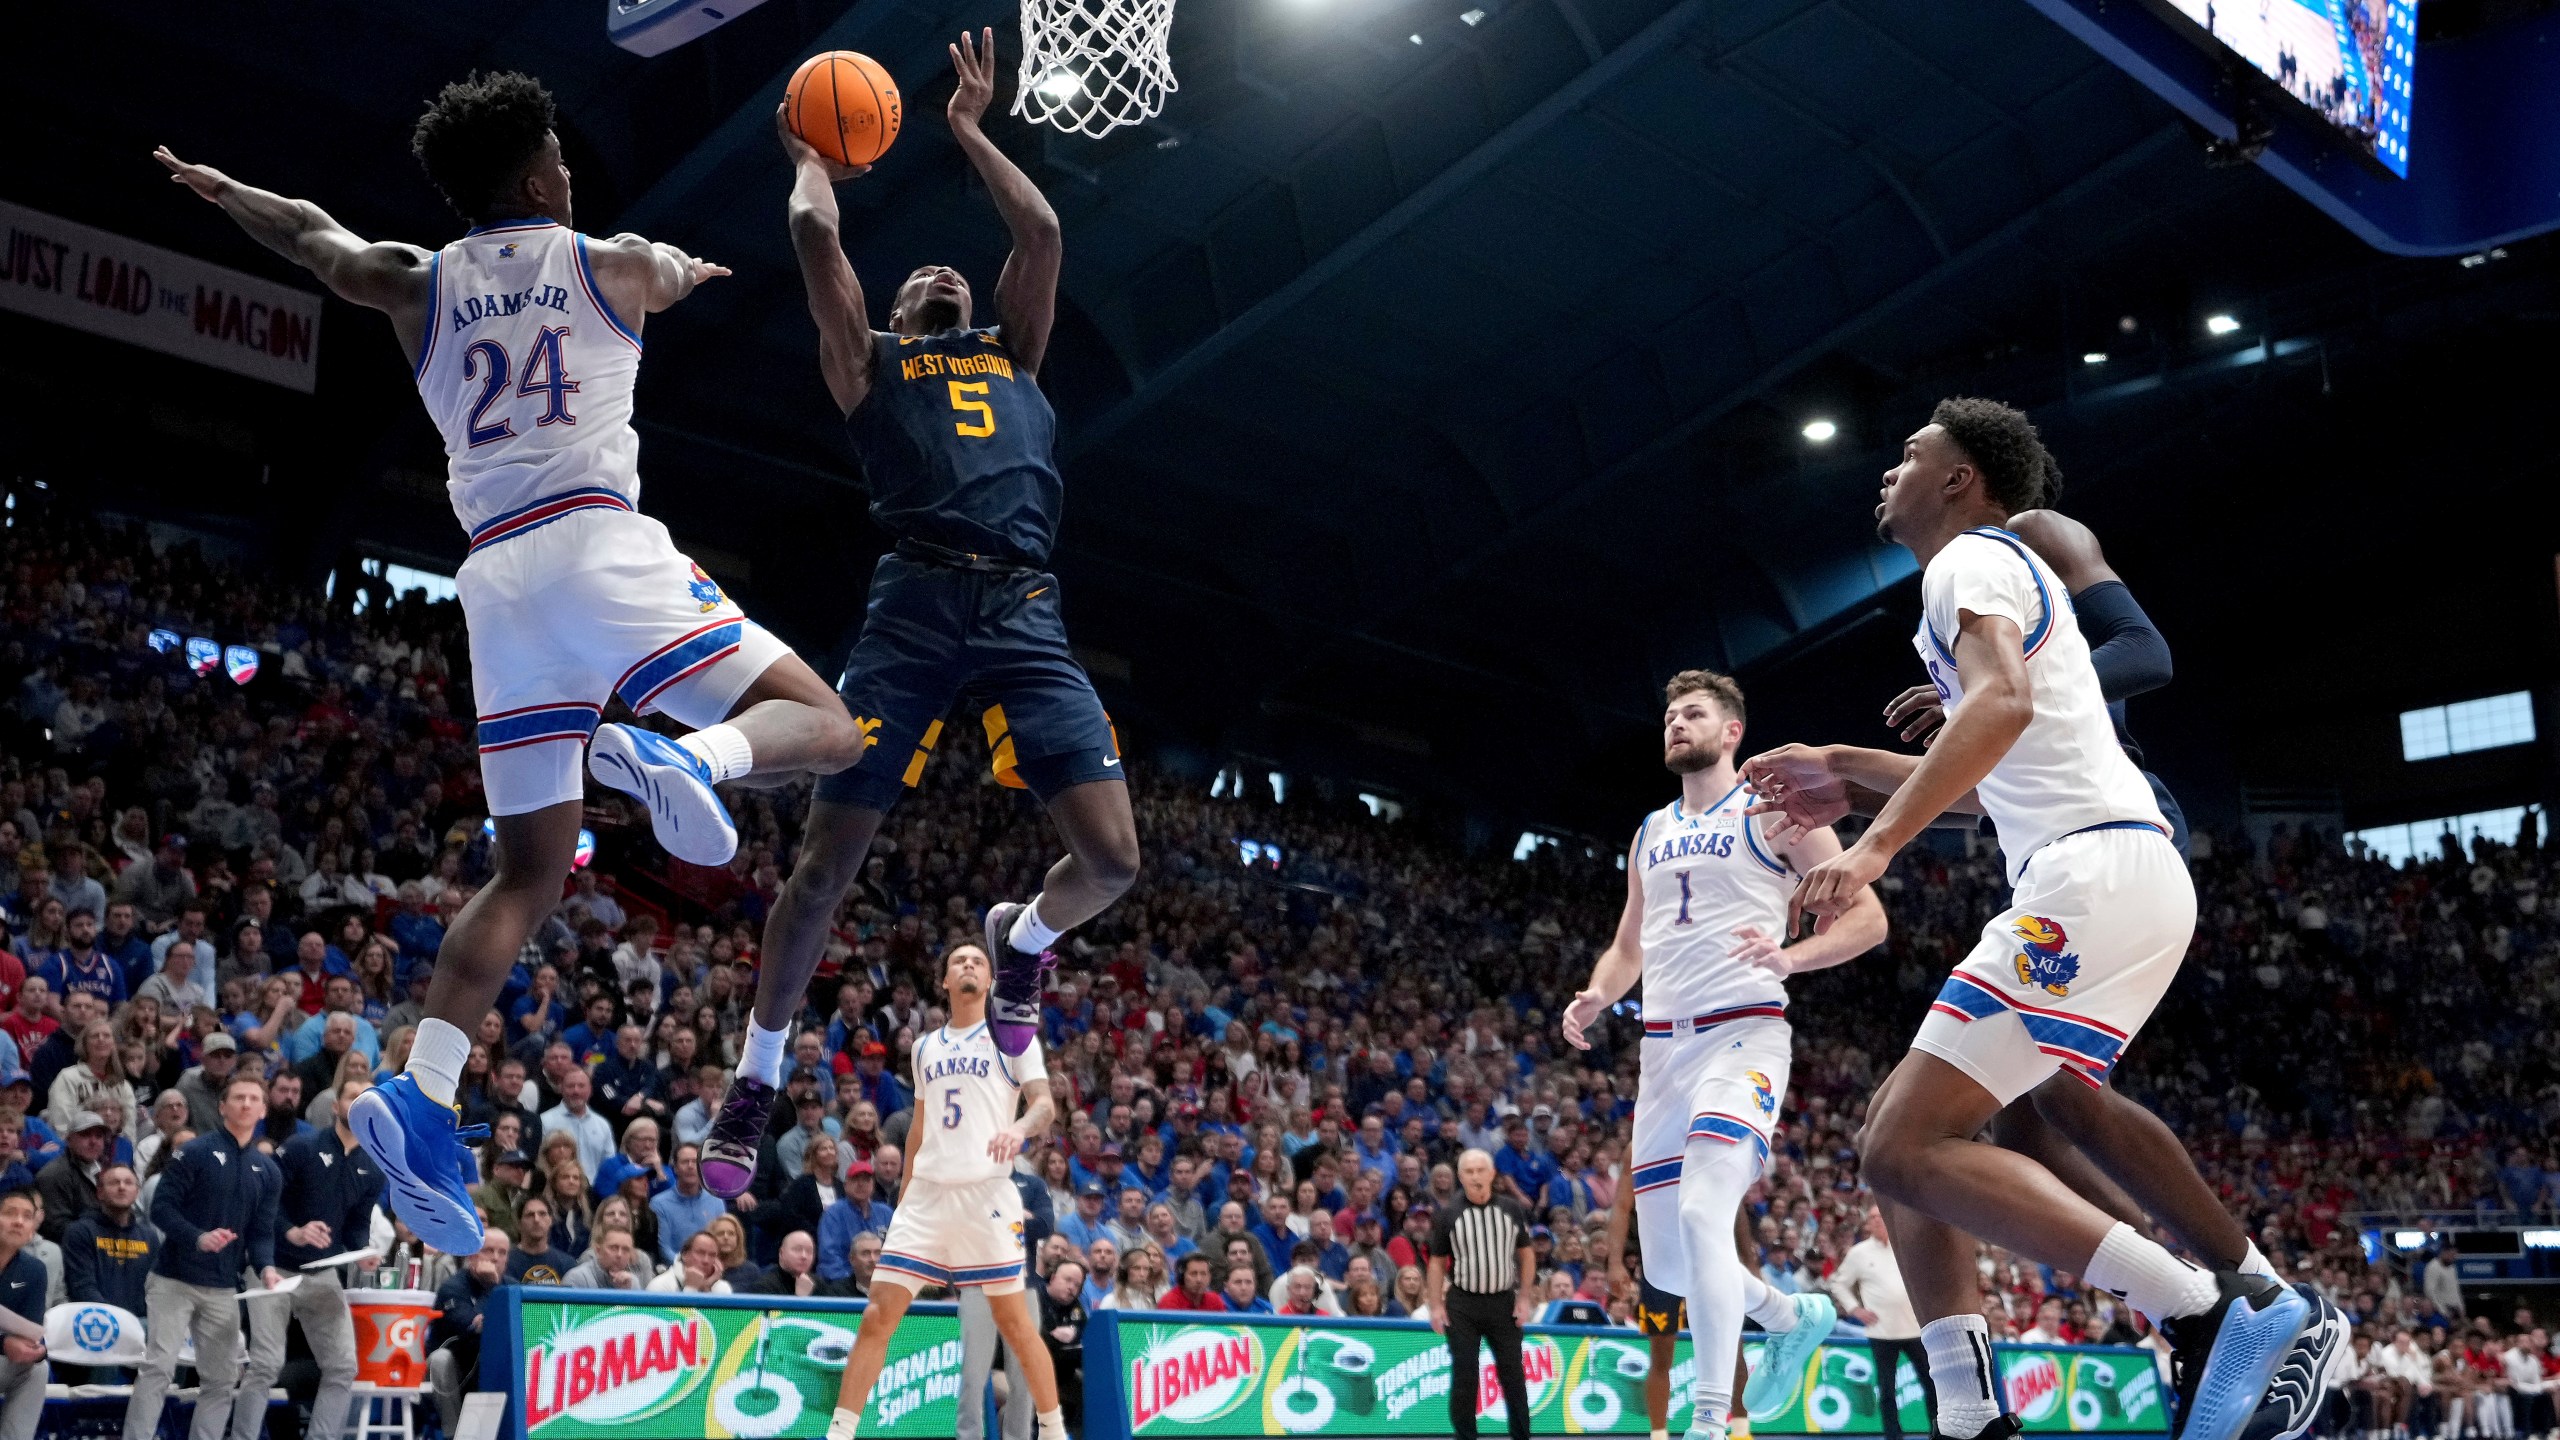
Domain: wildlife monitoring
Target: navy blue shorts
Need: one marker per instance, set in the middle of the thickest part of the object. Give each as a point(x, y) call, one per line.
point(934, 635)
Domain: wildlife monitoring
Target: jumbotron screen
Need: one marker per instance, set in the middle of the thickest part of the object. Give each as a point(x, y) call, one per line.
point(2350, 60)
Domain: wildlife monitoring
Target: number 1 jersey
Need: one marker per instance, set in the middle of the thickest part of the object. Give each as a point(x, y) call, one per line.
point(967, 1090)
point(528, 373)
point(956, 444)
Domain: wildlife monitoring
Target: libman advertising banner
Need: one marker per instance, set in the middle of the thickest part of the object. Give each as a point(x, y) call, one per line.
point(1255, 1377)
point(106, 284)
point(583, 1369)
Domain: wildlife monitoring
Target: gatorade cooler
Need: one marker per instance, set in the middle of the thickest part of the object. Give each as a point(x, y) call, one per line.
point(391, 1336)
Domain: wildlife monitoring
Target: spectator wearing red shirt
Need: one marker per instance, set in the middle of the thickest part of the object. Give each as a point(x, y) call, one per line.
point(27, 1023)
point(1193, 1292)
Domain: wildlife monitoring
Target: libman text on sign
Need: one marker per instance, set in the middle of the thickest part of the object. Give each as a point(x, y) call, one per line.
point(628, 1365)
point(1192, 1375)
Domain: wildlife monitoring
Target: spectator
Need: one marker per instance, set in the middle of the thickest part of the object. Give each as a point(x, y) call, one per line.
point(69, 1183)
point(107, 1253)
point(612, 1266)
point(201, 1084)
point(855, 1212)
point(684, 1208)
point(158, 889)
point(509, 1183)
point(1062, 1322)
point(1243, 1292)
point(1193, 1290)
point(697, 1269)
point(571, 1117)
point(531, 1259)
point(795, 1272)
point(453, 1340)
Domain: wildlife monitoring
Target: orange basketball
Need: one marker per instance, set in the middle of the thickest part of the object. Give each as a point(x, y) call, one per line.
point(844, 105)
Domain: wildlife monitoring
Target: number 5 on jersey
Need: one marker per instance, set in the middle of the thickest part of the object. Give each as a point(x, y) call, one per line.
point(950, 1109)
point(961, 390)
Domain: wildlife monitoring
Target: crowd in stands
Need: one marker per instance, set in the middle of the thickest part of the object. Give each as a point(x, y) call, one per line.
point(1264, 1071)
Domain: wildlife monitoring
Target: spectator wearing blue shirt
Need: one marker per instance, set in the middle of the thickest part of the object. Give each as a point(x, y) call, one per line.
point(1088, 1222)
point(1523, 1170)
point(871, 1080)
point(342, 998)
point(855, 1212)
point(591, 1040)
point(1374, 1149)
point(684, 1208)
point(122, 938)
point(1273, 1233)
point(1244, 1293)
point(92, 973)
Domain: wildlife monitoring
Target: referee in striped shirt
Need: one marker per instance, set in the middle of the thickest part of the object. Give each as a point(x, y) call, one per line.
point(1483, 1287)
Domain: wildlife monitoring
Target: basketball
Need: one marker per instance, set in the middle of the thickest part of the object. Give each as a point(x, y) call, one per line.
point(844, 105)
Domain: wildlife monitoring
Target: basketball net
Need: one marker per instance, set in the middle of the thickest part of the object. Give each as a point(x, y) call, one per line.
point(1092, 66)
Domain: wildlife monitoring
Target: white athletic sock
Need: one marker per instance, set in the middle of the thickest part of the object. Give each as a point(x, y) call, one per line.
point(761, 1061)
point(1662, 1435)
point(437, 1054)
point(1029, 934)
point(1710, 1402)
point(844, 1424)
point(1959, 1349)
point(723, 748)
point(2255, 1263)
point(1774, 1308)
point(2149, 1278)
point(1053, 1424)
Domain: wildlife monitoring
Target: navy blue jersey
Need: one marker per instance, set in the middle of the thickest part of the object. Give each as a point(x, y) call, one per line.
point(955, 442)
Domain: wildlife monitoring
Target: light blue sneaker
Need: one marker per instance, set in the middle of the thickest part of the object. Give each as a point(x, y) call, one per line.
point(2224, 1361)
point(418, 1144)
point(1786, 1353)
point(691, 823)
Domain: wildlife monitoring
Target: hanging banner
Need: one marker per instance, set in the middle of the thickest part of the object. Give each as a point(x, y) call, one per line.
point(108, 285)
point(1268, 1379)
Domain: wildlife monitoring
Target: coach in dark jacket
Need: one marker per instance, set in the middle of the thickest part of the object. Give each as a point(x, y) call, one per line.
point(326, 1208)
point(216, 1213)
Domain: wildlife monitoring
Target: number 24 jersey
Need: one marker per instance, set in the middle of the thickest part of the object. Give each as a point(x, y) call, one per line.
point(967, 1090)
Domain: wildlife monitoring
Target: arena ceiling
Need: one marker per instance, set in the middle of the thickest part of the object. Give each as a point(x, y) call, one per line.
point(1433, 373)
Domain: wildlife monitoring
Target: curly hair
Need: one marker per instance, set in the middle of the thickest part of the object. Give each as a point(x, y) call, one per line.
point(2017, 471)
point(478, 135)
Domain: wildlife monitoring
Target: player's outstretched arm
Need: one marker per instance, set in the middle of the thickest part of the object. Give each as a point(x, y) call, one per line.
point(645, 276)
point(835, 293)
point(382, 275)
point(1618, 967)
point(1027, 292)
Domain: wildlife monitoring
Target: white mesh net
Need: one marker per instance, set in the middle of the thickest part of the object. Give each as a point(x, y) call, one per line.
point(1091, 66)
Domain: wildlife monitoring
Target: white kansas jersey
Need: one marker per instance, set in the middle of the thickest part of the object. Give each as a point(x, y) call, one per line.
point(528, 374)
point(2067, 772)
point(1707, 874)
point(967, 1090)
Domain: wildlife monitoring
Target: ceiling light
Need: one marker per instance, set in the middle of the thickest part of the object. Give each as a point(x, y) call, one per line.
point(1472, 17)
point(1819, 431)
point(2127, 324)
point(1416, 39)
point(2093, 357)
point(1058, 84)
point(2221, 324)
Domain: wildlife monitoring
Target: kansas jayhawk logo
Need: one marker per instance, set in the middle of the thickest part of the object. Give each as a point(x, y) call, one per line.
point(2044, 964)
point(507, 251)
point(1763, 1094)
point(706, 591)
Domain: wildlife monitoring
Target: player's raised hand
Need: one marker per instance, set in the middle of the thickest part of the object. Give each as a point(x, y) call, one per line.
point(1829, 888)
point(202, 179)
point(974, 57)
point(1756, 947)
point(1578, 1017)
point(805, 155)
point(1795, 784)
point(1919, 712)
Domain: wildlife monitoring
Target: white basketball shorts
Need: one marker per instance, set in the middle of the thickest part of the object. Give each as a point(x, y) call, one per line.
point(2061, 980)
point(1714, 1085)
point(957, 1235)
point(568, 611)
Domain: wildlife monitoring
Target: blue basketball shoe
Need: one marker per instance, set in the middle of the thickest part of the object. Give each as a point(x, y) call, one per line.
point(1786, 1353)
point(691, 823)
point(419, 1145)
point(2225, 1360)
